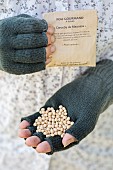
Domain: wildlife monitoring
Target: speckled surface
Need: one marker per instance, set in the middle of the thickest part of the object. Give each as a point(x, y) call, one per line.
point(24, 95)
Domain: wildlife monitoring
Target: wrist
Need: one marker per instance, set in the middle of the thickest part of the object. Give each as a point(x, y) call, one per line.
point(104, 70)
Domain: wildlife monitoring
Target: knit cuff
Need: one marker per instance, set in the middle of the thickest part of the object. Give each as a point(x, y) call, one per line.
point(104, 70)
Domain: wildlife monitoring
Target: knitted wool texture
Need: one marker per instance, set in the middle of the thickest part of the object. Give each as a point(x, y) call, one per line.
point(85, 98)
point(22, 44)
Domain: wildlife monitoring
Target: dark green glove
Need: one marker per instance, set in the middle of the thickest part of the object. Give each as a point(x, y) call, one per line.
point(85, 98)
point(22, 44)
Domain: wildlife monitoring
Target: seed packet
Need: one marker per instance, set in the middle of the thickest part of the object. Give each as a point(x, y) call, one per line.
point(75, 34)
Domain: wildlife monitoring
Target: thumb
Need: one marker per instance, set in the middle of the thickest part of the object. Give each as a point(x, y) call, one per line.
point(68, 139)
point(82, 127)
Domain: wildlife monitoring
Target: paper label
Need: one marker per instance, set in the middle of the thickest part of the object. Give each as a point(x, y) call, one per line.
point(75, 33)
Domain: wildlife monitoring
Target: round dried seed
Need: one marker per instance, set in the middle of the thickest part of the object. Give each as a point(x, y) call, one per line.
point(72, 123)
point(60, 106)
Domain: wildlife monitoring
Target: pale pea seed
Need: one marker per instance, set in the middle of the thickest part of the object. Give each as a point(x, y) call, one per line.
point(55, 130)
point(48, 109)
point(44, 115)
point(41, 127)
point(46, 112)
point(51, 130)
point(47, 118)
point(54, 113)
point(45, 133)
point(36, 120)
point(57, 123)
point(59, 132)
point(62, 129)
point(68, 127)
point(61, 110)
point(53, 116)
point(49, 126)
point(40, 120)
point(56, 133)
point(55, 119)
point(52, 135)
point(45, 121)
point(47, 136)
point(59, 126)
point(57, 111)
point(34, 124)
point(43, 118)
point(60, 123)
point(53, 123)
point(60, 106)
point(60, 113)
point(68, 118)
point(39, 130)
point(42, 109)
point(42, 131)
point(48, 129)
point(72, 123)
point(45, 125)
point(52, 126)
point(48, 132)
point(64, 121)
point(64, 117)
point(50, 113)
point(50, 119)
point(38, 127)
point(57, 116)
point(49, 123)
point(42, 112)
point(53, 110)
point(68, 122)
point(62, 135)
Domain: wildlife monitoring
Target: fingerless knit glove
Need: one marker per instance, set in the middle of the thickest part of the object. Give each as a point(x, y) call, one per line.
point(85, 98)
point(22, 44)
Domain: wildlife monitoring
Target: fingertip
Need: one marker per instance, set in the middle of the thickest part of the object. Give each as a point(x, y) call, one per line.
point(48, 61)
point(43, 147)
point(24, 133)
point(51, 29)
point(33, 141)
point(68, 139)
point(24, 124)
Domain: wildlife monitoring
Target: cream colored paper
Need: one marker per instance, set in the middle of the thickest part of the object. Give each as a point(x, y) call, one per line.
point(75, 33)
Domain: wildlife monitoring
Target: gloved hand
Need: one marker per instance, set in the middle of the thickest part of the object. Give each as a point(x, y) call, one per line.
point(84, 98)
point(22, 44)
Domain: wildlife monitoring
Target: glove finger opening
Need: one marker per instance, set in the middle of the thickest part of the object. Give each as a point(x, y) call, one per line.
point(55, 144)
point(32, 129)
point(40, 135)
point(31, 118)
